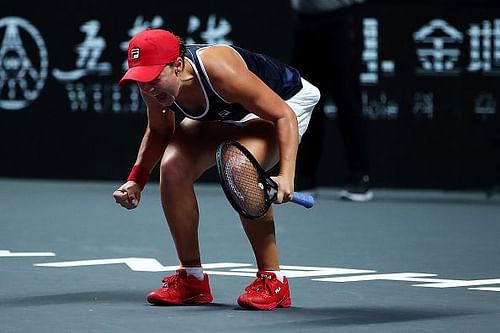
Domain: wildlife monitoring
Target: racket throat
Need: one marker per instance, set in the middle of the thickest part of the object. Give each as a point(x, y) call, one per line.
point(271, 188)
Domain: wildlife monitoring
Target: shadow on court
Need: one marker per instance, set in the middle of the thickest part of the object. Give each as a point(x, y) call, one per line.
point(112, 296)
point(345, 316)
point(298, 317)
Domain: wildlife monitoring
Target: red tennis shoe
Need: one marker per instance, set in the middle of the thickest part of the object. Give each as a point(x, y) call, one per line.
point(181, 289)
point(266, 292)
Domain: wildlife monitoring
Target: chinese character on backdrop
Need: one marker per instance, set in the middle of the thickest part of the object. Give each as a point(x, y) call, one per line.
point(439, 48)
point(215, 33)
point(485, 47)
point(89, 52)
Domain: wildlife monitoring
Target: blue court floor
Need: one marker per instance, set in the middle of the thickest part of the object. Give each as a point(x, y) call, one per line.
point(71, 260)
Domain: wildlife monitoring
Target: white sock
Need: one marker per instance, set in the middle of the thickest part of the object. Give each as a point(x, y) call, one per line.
point(197, 272)
point(279, 275)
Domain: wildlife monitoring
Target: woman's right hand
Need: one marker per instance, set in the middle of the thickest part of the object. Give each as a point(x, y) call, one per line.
point(128, 195)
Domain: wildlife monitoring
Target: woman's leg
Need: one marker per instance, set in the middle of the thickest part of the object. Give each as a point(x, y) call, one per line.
point(259, 137)
point(187, 156)
point(190, 152)
point(262, 237)
point(270, 289)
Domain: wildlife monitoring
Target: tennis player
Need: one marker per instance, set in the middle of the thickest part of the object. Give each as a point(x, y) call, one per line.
point(224, 93)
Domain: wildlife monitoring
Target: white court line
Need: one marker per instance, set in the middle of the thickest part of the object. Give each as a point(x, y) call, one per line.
point(7, 253)
point(486, 289)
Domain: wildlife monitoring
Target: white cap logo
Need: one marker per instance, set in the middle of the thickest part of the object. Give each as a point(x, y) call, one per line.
point(134, 53)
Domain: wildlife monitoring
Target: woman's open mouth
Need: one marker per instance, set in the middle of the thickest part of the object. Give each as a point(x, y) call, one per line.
point(161, 97)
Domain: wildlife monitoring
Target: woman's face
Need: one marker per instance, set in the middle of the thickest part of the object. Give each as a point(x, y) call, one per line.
point(165, 87)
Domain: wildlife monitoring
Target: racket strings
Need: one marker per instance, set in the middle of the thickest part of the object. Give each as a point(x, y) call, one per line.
point(243, 179)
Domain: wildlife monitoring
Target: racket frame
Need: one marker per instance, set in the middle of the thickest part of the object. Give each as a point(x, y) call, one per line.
point(265, 182)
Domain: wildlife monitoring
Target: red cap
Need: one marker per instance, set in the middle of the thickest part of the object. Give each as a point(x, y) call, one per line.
point(148, 53)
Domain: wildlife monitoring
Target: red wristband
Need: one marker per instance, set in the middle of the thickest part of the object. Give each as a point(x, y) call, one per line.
point(139, 174)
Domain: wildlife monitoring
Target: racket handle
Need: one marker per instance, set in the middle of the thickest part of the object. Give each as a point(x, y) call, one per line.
point(302, 199)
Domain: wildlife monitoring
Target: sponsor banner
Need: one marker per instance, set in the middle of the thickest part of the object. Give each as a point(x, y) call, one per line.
point(429, 86)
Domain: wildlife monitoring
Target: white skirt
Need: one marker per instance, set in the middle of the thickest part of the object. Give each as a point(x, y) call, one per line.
point(302, 103)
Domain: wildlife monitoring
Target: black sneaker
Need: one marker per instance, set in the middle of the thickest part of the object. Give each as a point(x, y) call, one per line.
point(358, 189)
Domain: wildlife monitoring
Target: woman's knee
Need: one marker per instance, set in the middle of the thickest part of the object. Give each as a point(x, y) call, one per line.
point(179, 167)
point(174, 169)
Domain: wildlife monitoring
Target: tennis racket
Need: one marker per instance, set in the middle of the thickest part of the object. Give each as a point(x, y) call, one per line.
point(246, 184)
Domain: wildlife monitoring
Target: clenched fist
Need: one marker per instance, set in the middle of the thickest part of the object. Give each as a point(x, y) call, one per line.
point(128, 195)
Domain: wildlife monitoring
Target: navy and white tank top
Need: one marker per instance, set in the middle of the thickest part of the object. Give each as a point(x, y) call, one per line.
point(282, 79)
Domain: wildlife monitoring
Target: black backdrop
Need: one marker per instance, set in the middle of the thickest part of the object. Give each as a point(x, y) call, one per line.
point(62, 116)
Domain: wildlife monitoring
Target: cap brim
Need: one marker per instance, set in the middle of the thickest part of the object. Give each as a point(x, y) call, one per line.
point(141, 74)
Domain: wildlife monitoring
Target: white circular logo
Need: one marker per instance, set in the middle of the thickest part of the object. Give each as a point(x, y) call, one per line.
point(23, 63)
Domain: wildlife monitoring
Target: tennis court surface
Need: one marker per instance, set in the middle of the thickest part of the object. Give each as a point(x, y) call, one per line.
point(71, 260)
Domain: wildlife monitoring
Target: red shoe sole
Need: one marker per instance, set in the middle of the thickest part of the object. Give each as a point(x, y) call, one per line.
point(284, 303)
point(198, 299)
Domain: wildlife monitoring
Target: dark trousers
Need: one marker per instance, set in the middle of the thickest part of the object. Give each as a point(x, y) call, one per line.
point(327, 52)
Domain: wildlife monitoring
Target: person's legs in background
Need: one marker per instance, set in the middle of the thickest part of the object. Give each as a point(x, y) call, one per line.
point(347, 42)
point(308, 57)
point(327, 51)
